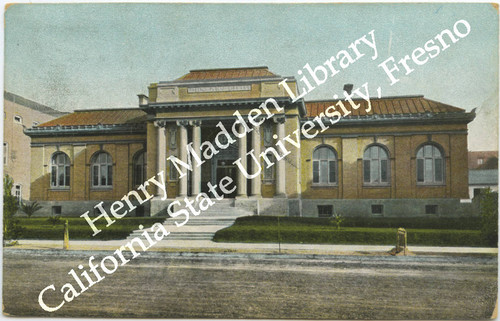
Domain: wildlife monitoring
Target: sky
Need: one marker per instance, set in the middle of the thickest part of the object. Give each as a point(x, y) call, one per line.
point(82, 56)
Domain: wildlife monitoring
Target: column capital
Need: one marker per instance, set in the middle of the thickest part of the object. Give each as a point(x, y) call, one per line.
point(160, 123)
point(196, 122)
point(182, 123)
point(279, 119)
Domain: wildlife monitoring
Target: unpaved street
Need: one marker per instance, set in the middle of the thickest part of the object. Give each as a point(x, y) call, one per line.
point(170, 285)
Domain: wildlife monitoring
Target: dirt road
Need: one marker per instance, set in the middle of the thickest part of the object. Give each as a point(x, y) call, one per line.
point(170, 285)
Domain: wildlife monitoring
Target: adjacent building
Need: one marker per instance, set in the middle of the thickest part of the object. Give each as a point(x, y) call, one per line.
point(406, 156)
point(21, 113)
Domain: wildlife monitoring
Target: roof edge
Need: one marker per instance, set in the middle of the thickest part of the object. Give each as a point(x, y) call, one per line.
point(235, 68)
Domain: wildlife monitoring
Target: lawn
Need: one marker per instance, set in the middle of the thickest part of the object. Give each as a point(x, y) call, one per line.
point(370, 231)
point(42, 228)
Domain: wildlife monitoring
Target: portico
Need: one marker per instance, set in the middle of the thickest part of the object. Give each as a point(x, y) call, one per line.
point(195, 135)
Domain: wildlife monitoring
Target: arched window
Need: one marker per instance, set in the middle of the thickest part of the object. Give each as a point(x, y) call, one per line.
point(269, 171)
point(102, 170)
point(140, 168)
point(430, 165)
point(324, 165)
point(375, 166)
point(60, 170)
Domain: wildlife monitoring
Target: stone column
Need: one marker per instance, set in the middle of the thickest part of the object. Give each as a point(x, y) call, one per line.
point(242, 153)
point(161, 149)
point(196, 178)
point(183, 141)
point(280, 165)
point(256, 181)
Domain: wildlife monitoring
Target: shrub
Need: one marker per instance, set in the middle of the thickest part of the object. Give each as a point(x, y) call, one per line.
point(54, 220)
point(11, 226)
point(337, 220)
point(489, 217)
point(30, 209)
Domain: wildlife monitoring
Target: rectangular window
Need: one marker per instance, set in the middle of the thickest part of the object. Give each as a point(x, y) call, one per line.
point(431, 209)
point(103, 175)
point(18, 192)
point(377, 209)
point(18, 119)
point(332, 172)
point(428, 170)
point(383, 170)
point(438, 165)
point(323, 170)
point(95, 179)
point(56, 210)
point(61, 175)
point(366, 171)
point(172, 172)
point(67, 169)
point(374, 172)
point(325, 210)
point(315, 171)
point(420, 170)
point(110, 175)
point(53, 179)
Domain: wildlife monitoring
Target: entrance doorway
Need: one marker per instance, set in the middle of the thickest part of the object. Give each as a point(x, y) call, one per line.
point(225, 167)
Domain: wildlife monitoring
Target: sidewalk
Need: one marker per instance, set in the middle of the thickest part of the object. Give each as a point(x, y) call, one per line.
point(209, 246)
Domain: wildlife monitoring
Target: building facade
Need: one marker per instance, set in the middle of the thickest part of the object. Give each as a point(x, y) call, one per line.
point(406, 156)
point(21, 113)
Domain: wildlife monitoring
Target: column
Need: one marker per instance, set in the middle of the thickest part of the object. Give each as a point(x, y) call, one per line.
point(280, 165)
point(256, 181)
point(183, 141)
point(242, 153)
point(161, 149)
point(196, 178)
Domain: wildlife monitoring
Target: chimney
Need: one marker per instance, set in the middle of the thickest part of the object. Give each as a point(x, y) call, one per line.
point(348, 88)
point(143, 99)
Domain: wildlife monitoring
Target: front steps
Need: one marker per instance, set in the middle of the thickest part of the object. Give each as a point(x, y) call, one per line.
point(202, 227)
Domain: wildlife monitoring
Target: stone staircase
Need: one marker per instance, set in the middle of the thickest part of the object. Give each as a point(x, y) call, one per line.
point(202, 227)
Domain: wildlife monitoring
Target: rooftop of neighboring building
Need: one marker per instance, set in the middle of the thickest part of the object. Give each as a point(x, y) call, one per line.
point(32, 104)
point(483, 177)
point(483, 160)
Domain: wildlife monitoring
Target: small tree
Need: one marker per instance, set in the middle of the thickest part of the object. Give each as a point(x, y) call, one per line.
point(338, 220)
point(11, 226)
point(489, 217)
point(30, 209)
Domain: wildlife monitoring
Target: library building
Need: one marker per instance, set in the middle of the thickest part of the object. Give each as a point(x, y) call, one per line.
point(407, 156)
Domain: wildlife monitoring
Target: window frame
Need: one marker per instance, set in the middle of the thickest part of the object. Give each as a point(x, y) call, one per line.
point(433, 182)
point(66, 171)
point(272, 169)
point(20, 121)
point(379, 160)
point(95, 165)
point(328, 167)
point(143, 169)
point(18, 192)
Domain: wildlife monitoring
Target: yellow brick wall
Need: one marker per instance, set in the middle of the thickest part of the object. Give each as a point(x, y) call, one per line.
point(80, 155)
point(402, 153)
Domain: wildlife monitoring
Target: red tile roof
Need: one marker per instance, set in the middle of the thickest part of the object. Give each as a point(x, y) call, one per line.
point(227, 73)
point(95, 117)
point(384, 106)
